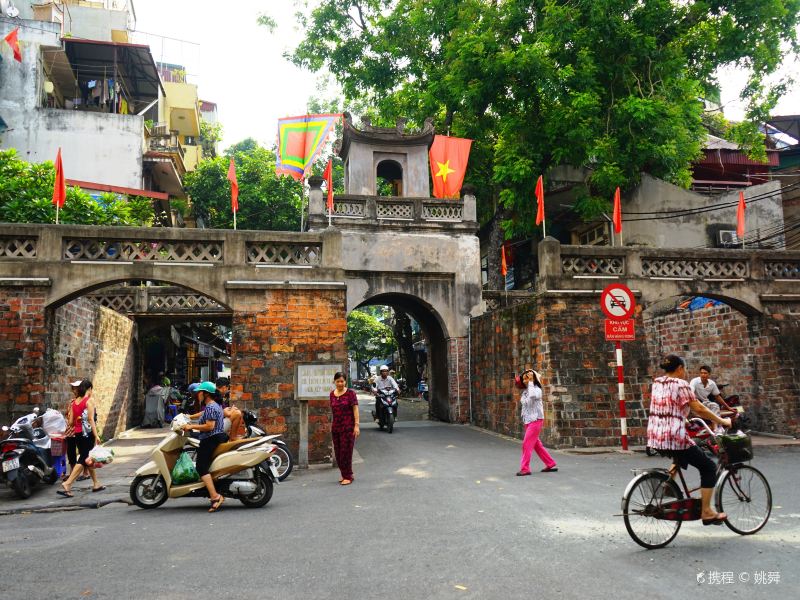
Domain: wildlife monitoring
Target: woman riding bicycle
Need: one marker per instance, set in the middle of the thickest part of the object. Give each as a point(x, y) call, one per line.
point(671, 400)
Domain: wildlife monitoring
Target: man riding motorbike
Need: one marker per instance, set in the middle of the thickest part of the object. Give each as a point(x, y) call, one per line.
point(384, 382)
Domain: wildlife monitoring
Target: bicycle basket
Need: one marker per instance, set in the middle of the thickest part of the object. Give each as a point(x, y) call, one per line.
point(736, 448)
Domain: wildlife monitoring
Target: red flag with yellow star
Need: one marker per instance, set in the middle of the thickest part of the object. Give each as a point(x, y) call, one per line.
point(449, 157)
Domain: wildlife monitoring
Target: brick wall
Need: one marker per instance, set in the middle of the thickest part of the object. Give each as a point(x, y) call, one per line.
point(458, 380)
point(272, 332)
point(87, 341)
point(755, 355)
point(564, 340)
point(22, 348)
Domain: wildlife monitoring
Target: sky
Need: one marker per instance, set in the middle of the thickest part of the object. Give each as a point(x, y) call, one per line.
point(234, 61)
point(239, 64)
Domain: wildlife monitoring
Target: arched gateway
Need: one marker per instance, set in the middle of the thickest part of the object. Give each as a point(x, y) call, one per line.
point(288, 294)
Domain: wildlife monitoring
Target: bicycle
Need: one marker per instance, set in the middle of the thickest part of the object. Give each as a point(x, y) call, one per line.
point(654, 507)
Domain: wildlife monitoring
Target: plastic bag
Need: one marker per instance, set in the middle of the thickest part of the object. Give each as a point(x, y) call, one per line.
point(53, 422)
point(184, 471)
point(99, 454)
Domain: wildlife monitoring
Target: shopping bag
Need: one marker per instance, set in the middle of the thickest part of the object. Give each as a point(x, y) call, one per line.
point(184, 471)
point(53, 422)
point(99, 454)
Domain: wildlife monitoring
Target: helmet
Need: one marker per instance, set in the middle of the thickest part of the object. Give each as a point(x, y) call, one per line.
point(206, 387)
point(383, 368)
point(192, 388)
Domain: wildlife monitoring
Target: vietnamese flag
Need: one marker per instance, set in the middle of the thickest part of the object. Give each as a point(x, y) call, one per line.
point(234, 187)
point(59, 187)
point(503, 264)
point(539, 201)
point(328, 176)
point(448, 157)
point(617, 212)
point(12, 39)
point(740, 217)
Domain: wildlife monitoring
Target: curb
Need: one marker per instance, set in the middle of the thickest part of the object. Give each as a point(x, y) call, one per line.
point(49, 508)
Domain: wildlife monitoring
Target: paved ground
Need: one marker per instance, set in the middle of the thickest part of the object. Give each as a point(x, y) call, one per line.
point(435, 512)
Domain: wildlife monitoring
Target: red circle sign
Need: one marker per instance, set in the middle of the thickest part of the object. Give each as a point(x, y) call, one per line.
point(617, 302)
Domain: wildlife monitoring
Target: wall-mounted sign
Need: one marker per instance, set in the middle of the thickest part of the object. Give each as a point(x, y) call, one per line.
point(314, 381)
point(620, 330)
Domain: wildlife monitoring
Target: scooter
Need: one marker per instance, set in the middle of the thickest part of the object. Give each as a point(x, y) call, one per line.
point(385, 412)
point(25, 456)
point(237, 469)
point(281, 458)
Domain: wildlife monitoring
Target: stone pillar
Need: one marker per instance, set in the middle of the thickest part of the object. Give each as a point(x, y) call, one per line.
point(549, 252)
point(458, 379)
point(316, 201)
point(470, 213)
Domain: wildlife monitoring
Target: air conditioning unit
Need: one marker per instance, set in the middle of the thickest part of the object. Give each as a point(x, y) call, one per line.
point(727, 238)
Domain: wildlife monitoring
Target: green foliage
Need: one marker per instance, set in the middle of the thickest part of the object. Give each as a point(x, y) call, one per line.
point(609, 85)
point(26, 192)
point(367, 337)
point(210, 136)
point(266, 201)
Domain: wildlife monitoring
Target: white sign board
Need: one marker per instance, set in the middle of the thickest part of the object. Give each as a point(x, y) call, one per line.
point(315, 381)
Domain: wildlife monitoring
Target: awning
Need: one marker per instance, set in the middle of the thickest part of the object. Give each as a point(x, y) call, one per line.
point(102, 187)
point(92, 59)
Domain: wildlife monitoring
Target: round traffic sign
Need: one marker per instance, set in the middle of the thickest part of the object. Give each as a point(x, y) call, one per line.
point(617, 301)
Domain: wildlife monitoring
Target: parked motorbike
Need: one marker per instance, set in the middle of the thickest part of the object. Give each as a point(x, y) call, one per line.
point(25, 455)
point(385, 412)
point(237, 469)
point(281, 458)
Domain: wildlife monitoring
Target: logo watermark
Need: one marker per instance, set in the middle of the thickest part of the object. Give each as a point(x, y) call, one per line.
point(731, 577)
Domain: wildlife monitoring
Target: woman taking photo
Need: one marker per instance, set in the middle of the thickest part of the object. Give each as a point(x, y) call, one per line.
point(81, 420)
point(533, 419)
point(344, 426)
point(670, 403)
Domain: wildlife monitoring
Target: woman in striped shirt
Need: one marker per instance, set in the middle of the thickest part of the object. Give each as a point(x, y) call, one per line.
point(671, 400)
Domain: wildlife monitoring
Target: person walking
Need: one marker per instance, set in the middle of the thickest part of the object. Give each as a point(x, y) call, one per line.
point(84, 426)
point(671, 399)
point(69, 435)
point(344, 426)
point(532, 412)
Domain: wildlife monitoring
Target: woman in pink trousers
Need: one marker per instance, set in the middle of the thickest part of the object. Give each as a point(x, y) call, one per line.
point(533, 418)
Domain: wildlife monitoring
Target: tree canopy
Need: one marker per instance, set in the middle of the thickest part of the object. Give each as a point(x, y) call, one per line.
point(26, 193)
point(367, 337)
point(615, 86)
point(266, 201)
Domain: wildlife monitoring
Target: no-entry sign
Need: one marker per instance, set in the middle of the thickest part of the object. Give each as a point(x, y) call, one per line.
point(620, 330)
point(617, 302)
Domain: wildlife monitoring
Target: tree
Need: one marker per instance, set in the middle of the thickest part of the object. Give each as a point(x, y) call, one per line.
point(367, 338)
point(26, 193)
point(612, 86)
point(405, 345)
point(266, 201)
point(210, 136)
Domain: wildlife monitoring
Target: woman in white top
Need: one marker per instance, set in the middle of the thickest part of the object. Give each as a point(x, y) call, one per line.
point(533, 419)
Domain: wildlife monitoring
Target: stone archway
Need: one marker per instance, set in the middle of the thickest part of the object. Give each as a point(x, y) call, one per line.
point(439, 351)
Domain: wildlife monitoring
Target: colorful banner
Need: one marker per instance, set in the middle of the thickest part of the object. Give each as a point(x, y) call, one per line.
point(449, 157)
point(300, 140)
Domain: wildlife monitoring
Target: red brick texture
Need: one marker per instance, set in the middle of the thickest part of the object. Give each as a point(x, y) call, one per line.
point(272, 332)
point(41, 351)
point(563, 339)
point(458, 379)
point(756, 355)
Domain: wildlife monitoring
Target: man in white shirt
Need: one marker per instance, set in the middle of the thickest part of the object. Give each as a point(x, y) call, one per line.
point(384, 382)
point(707, 392)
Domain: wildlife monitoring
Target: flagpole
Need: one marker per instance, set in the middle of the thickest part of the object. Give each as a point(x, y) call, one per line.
point(56, 214)
point(544, 228)
point(234, 220)
point(302, 202)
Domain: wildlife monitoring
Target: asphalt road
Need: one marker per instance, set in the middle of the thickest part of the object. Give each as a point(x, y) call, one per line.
point(435, 512)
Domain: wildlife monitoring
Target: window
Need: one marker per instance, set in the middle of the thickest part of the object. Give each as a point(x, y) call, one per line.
point(389, 178)
point(596, 236)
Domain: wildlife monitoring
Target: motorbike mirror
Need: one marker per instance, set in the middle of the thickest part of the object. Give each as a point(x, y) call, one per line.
point(36, 410)
point(5, 427)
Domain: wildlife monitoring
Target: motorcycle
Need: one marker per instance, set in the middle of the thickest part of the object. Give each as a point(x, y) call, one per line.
point(281, 458)
point(237, 469)
point(25, 455)
point(385, 412)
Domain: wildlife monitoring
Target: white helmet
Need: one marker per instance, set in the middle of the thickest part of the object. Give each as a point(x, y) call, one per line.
point(383, 368)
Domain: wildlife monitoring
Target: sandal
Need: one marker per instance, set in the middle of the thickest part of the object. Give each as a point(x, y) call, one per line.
point(719, 519)
point(216, 503)
point(99, 489)
point(345, 482)
point(65, 493)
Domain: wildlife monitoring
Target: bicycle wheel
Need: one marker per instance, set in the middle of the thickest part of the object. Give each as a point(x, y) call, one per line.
point(641, 505)
point(744, 496)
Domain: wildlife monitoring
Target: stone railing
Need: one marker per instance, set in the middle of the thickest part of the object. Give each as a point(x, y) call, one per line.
point(496, 299)
point(156, 300)
point(164, 246)
point(679, 264)
point(404, 212)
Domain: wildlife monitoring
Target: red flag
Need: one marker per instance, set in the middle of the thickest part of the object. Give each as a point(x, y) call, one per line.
point(328, 175)
point(503, 265)
point(539, 201)
point(617, 212)
point(234, 187)
point(59, 187)
point(12, 39)
point(448, 157)
point(740, 217)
